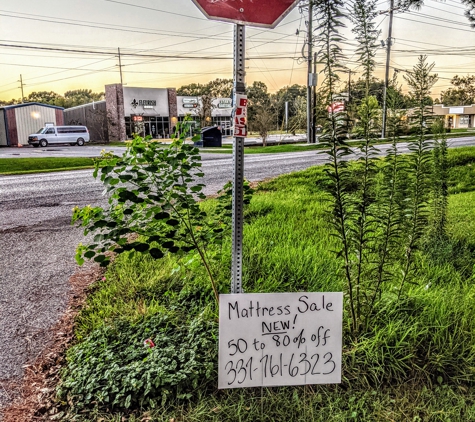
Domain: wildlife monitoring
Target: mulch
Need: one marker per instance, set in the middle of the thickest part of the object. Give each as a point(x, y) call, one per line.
point(33, 397)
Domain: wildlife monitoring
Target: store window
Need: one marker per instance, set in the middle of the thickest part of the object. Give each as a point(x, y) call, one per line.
point(464, 120)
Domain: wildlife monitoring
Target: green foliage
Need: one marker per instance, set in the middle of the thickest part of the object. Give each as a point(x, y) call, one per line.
point(419, 351)
point(215, 88)
point(153, 205)
point(43, 164)
point(363, 17)
point(115, 368)
point(462, 92)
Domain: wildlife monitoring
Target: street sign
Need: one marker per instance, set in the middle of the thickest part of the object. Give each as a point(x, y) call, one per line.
point(262, 13)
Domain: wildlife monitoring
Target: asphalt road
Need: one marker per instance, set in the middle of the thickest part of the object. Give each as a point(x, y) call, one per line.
point(37, 242)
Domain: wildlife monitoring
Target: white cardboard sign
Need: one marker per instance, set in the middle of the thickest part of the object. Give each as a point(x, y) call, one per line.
point(277, 339)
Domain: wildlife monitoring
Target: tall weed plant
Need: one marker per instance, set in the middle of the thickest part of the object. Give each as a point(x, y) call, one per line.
point(379, 220)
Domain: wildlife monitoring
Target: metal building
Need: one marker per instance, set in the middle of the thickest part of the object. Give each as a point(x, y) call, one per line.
point(20, 120)
point(92, 115)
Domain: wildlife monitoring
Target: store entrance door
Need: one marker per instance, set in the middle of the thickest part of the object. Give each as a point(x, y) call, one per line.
point(147, 128)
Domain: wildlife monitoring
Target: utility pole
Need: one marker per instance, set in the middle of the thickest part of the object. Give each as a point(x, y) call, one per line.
point(120, 67)
point(310, 80)
point(348, 102)
point(386, 77)
point(21, 87)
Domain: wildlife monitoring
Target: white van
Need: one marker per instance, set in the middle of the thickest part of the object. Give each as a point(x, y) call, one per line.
point(73, 135)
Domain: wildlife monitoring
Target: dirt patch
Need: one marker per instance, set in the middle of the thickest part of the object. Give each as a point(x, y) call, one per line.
point(33, 396)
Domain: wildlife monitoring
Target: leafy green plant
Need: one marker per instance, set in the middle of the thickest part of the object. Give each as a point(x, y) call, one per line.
point(420, 82)
point(154, 205)
point(140, 364)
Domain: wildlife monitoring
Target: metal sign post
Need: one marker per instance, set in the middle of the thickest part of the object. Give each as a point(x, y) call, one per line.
point(264, 14)
point(238, 159)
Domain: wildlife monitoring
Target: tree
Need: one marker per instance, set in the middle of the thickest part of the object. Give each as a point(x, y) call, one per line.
point(192, 90)
point(216, 88)
point(463, 92)
point(299, 114)
point(258, 98)
point(11, 102)
point(263, 122)
point(44, 97)
point(204, 109)
point(221, 88)
point(80, 96)
point(287, 94)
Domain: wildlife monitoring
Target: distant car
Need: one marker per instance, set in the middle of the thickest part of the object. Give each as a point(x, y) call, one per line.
point(73, 135)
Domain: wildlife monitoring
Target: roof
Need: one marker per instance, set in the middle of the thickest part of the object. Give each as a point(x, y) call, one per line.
point(86, 105)
point(31, 104)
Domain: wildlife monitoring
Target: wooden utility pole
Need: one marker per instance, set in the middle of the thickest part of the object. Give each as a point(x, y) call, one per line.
point(120, 67)
point(386, 76)
point(21, 87)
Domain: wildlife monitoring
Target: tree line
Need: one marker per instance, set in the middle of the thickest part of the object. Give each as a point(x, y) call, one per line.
point(67, 100)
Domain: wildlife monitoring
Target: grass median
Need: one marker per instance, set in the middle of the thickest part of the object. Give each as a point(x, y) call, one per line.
point(415, 365)
point(10, 166)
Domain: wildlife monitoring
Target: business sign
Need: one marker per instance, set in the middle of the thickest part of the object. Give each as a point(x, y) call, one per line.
point(190, 100)
point(277, 339)
point(143, 103)
point(336, 107)
point(456, 110)
point(262, 13)
point(190, 105)
point(225, 103)
point(240, 117)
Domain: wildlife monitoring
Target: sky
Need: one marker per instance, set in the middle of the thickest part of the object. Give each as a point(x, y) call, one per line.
point(61, 45)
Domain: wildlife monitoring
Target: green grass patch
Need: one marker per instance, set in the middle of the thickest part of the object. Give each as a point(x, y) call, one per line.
point(416, 363)
point(271, 149)
point(43, 164)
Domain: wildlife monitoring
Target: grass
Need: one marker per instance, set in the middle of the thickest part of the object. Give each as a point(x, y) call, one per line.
point(415, 364)
point(42, 165)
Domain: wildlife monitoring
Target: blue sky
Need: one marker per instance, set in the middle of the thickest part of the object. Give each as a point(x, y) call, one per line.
point(169, 43)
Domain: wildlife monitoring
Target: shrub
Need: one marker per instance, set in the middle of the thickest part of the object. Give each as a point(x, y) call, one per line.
point(114, 368)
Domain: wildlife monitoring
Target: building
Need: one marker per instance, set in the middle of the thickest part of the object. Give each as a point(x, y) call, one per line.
point(146, 111)
point(93, 115)
point(20, 120)
point(456, 117)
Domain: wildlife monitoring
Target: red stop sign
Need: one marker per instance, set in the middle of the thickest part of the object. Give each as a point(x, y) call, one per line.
point(264, 13)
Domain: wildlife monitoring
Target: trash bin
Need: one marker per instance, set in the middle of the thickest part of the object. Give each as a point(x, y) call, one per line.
point(210, 137)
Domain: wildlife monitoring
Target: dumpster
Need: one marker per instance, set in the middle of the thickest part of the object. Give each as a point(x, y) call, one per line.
point(210, 137)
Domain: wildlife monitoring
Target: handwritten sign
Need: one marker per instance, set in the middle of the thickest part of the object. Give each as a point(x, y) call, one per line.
point(277, 339)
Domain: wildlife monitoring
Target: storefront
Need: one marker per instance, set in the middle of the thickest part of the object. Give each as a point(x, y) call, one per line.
point(154, 112)
point(460, 117)
point(219, 113)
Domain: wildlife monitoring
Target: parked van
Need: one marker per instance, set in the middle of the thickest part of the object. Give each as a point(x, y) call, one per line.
point(73, 135)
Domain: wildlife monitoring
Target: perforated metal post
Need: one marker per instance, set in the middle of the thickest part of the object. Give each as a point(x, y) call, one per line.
point(238, 159)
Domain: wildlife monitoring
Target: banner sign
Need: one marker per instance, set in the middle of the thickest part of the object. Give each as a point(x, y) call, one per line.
point(240, 116)
point(277, 339)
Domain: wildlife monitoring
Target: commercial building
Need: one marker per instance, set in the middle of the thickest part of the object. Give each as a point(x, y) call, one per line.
point(19, 121)
point(456, 117)
point(146, 111)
